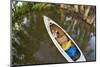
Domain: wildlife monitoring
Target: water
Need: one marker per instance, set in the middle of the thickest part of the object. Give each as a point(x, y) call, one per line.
point(34, 45)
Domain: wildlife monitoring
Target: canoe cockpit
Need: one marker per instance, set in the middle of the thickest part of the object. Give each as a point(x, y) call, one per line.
point(65, 42)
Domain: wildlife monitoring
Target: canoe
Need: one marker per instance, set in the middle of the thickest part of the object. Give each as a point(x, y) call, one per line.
point(64, 43)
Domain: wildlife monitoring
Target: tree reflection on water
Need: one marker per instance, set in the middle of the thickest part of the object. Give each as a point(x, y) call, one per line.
point(31, 43)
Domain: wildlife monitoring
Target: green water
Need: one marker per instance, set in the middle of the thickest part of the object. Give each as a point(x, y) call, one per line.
point(34, 46)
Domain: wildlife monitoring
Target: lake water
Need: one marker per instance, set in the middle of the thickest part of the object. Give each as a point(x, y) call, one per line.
point(34, 46)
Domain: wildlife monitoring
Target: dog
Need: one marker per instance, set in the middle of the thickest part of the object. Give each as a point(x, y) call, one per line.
point(60, 37)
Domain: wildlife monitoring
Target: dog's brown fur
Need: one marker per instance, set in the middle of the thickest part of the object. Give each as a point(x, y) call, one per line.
point(61, 38)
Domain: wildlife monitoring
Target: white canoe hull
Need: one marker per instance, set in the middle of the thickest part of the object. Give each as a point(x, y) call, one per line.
point(47, 22)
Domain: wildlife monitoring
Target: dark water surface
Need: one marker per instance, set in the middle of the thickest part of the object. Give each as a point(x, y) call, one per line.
point(34, 46)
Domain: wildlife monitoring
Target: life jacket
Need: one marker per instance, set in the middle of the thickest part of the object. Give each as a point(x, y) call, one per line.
point(66, 45)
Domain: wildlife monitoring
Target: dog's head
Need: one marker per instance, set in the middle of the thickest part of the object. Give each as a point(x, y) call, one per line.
point(54, 29)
